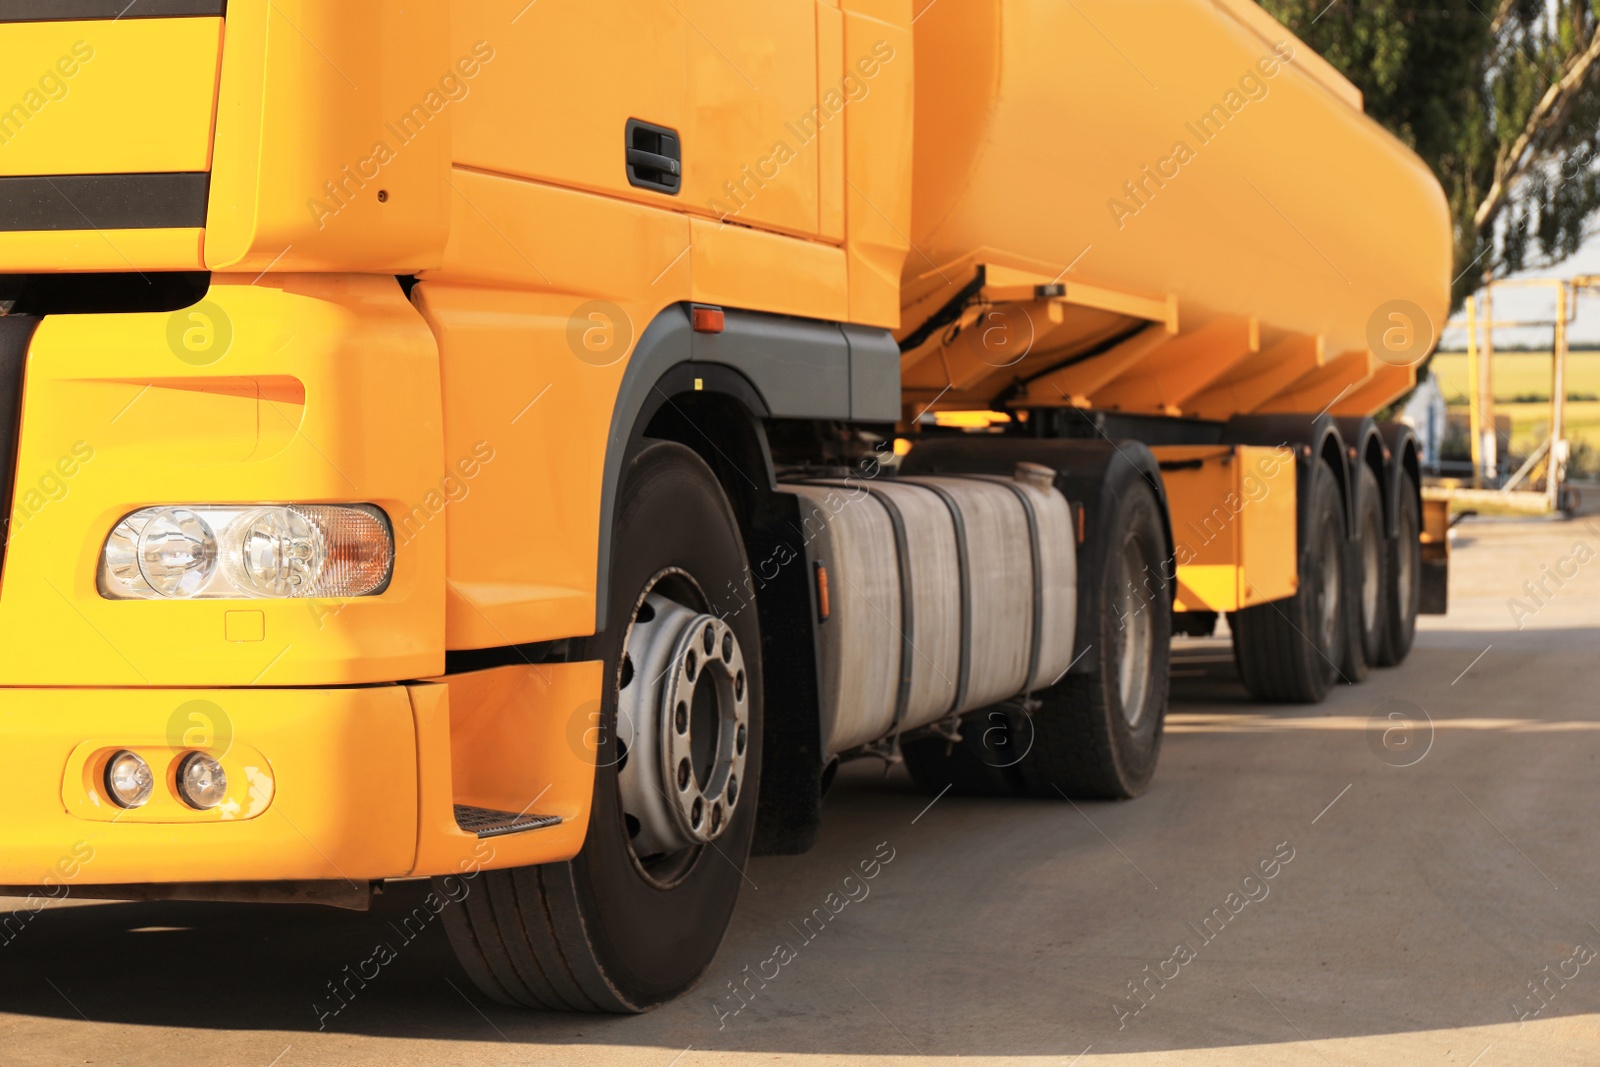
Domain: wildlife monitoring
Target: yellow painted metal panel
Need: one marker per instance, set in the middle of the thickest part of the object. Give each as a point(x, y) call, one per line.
point(830, 143)
point(878, 159)
point(1192, 157)
point(1253, 382)
point(1269, 549)
point(745, 268)
point(333, 134)
point(750, 131)
point(108, 96)
point(518, 738)
point(1387, 384)
point(316, 388)
point(736, 80)
point(1164, 383)
point(342, 765)
point(1233, 524)
point(107, 250)
point(1336, 379)
point(536, 314)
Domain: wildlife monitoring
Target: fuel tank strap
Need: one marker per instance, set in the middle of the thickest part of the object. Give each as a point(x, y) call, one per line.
point(908, 648)
point(964, 567)
point(1037, 557)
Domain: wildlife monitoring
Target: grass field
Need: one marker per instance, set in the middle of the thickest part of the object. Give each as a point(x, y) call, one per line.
point(1522, 390)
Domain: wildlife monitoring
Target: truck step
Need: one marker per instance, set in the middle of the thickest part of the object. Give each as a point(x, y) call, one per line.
point(486, 822)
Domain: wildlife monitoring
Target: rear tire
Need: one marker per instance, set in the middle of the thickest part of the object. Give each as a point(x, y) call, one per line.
point(1096, 734)
point(1289, 651)
point(613, 930)
point(1403, 589)
point(1368, 588)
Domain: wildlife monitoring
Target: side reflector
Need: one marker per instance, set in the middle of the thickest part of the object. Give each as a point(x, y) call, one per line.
point(708, 319)
point(824, 608)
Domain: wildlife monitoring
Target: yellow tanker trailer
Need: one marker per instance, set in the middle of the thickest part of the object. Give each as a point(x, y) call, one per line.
point(437, 446)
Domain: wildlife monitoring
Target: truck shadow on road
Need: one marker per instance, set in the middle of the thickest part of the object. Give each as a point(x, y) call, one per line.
point(1416, 897)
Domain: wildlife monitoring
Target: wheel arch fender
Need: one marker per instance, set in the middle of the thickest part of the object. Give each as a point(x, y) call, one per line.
point(712, 393)
point(1364, 446)
point(1404, 457)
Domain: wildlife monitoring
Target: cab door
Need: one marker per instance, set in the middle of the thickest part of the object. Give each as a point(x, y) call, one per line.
point(730, 85)
point(751, 130)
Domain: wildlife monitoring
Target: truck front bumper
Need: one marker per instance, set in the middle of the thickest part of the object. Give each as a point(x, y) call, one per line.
point(347, 784)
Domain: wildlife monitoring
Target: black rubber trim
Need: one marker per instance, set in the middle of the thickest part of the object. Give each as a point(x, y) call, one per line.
point(1100, 348)
point(16, 331)
point(1036, 638)
point(84, 10)
point(964, 569)
point(948, 313)
point(908, 648)
point(103, 201)
point(463, 661)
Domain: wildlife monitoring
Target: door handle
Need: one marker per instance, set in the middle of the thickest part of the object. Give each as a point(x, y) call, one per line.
point(653, 156)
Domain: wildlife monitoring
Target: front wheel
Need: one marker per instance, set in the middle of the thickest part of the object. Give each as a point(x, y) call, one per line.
point(637, 916)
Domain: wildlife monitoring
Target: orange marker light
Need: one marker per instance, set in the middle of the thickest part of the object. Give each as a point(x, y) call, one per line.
point(708, 320)
point(824, 609)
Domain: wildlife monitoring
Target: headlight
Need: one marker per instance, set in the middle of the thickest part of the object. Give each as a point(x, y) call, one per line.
point(188, 552)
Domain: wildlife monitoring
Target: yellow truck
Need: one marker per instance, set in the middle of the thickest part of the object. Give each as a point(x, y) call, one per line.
point(529, 444)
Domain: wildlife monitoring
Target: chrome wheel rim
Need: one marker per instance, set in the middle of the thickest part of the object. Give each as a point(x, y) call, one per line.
point(1406, 576)
point(1135, 637)
point(683, 726)
point(1372, 572)
point(1329, 584)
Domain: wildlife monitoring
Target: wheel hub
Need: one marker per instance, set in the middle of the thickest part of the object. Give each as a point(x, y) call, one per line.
point(683, 718)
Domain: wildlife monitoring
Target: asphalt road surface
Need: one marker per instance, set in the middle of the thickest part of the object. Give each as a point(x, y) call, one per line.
point(1430, 837)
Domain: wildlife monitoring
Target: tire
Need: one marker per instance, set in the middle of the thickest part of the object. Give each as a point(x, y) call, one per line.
point(1403, 588)
point(1093, 735)
point(611, 930)
point(1289, 651)
point(1097, 735)
point(1368, 588)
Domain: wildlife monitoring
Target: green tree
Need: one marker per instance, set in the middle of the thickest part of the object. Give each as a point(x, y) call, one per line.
point(1500, 97)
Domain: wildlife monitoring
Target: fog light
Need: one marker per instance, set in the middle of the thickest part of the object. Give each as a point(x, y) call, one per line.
point(128, 780)
point(201, 781)
point(215, 552)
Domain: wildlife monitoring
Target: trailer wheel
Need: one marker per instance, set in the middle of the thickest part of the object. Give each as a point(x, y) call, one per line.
point(1098, 734)
point(637, 916)
point(1289, 651)
point(1402, 593)
point(1369, 581)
